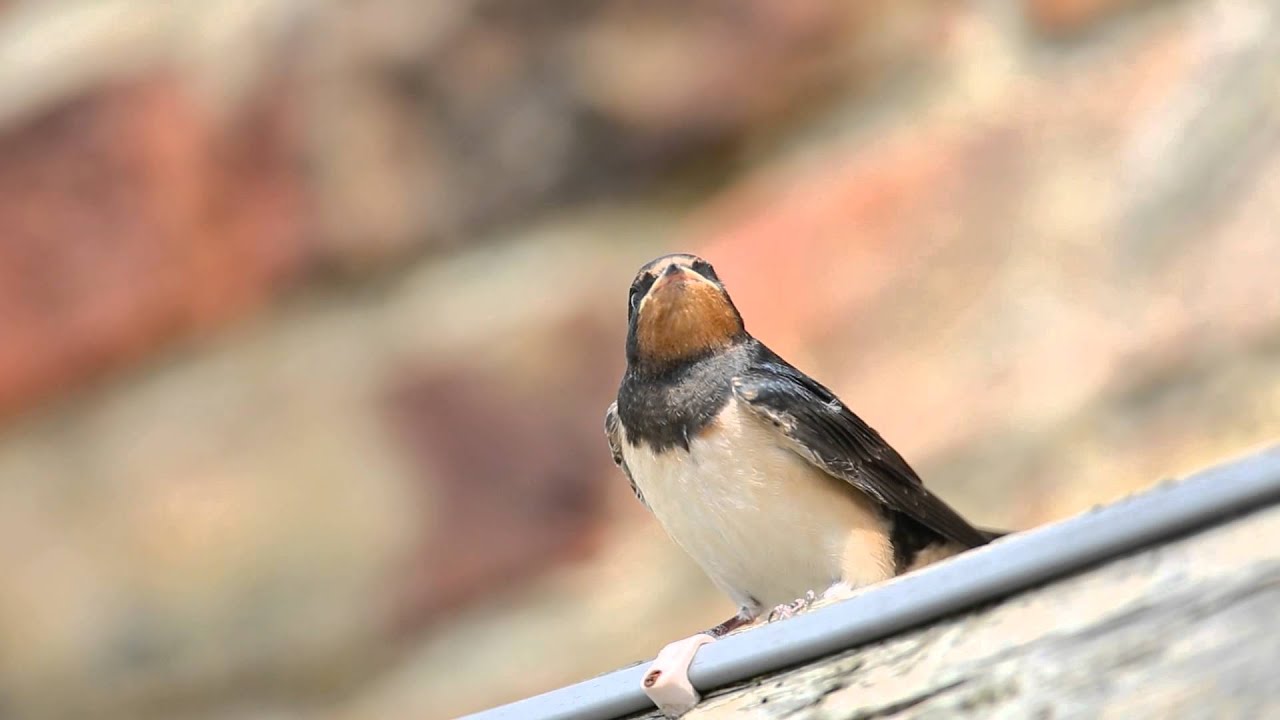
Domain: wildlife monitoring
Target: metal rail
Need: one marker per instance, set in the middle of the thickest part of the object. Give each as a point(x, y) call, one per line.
point(1007, 566)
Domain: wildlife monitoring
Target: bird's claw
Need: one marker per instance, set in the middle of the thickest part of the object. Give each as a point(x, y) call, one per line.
point(791, 609)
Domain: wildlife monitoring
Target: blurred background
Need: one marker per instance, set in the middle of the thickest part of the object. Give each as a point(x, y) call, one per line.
point(310, 311)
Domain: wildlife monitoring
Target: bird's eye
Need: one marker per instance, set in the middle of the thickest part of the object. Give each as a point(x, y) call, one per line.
point(703, 268)
point(638, 290)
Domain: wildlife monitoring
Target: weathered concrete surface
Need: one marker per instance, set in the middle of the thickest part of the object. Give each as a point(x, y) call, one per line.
point(1183, 630)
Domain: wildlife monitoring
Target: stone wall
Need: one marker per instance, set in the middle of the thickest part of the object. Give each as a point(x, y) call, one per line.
point(309, 312)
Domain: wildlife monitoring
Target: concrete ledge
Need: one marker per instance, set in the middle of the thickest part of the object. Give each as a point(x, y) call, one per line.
point(1166, 592)
point(1185, 629)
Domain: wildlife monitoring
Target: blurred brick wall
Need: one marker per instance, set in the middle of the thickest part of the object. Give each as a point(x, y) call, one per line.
point(309, 311)
point(130, 218)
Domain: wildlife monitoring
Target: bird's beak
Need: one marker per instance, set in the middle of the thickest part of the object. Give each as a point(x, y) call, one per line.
point(675, 276)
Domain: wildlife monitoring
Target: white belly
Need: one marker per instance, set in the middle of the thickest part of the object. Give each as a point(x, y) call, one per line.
point(762, 522)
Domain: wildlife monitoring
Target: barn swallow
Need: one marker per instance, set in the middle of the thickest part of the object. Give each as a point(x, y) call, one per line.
point(770, 483)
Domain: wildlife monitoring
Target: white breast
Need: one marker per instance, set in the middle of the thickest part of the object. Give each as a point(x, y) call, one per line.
point(762, 522)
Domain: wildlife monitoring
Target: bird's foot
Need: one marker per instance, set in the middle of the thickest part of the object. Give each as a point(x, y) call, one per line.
point(744, 617)
point(667, 681)
point(793, 608)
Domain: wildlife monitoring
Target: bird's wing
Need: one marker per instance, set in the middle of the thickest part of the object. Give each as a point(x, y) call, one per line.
point(815, 424)
point(613, 431)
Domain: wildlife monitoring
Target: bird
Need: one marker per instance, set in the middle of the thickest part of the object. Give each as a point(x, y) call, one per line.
point(778, 491)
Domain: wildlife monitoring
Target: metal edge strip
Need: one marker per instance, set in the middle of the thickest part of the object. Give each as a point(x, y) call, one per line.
point(1014, 563)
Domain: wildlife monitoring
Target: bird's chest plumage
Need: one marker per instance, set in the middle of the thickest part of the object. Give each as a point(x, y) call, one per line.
point(762, 522)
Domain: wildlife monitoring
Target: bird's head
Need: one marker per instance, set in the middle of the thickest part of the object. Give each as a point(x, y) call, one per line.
point(678, 311)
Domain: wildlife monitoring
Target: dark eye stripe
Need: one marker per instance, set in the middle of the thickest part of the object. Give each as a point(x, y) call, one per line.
point(638, 290)
point(645, 283)
point(703, 268)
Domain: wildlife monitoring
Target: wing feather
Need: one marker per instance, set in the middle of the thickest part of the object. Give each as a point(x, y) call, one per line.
point(613, 431)
point(817, 426)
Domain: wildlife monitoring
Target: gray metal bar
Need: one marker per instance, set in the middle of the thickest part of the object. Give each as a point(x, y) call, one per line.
point(1004, 567)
